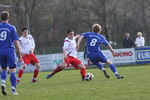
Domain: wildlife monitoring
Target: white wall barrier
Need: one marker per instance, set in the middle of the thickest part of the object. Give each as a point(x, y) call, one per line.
point(121, 56)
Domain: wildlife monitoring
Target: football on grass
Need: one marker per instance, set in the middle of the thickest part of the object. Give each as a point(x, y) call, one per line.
point(89, 76)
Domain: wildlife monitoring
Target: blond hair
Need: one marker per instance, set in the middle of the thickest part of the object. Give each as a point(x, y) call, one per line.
point(96, 28)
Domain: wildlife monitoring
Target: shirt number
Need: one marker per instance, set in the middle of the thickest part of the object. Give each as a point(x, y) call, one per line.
point(3, 35)
point(93, 42)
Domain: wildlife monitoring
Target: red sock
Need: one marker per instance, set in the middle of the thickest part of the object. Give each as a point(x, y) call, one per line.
point(58, 69)
point(83, 72)
point(20, 73)
point(36, 71)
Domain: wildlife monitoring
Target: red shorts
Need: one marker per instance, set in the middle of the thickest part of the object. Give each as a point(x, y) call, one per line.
point(30, 59)
point(73, 61)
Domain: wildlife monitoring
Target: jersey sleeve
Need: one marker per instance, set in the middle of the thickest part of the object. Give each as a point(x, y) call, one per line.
point(15, 34)
point(32, 42)
point(105, 42)
point(66, 44)
point(84, 35)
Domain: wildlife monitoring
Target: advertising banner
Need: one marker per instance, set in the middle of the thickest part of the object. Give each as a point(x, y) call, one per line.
point(142, 55)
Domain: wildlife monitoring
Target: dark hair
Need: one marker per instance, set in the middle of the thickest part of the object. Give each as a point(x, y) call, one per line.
point(68, 31)
point(4, 15)
point(24, 29)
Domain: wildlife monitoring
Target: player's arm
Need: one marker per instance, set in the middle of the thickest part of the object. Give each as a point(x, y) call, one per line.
point(110, 48)
point(77, 36)
point(79, 41)
point(65, 47)
point(16, 43)
point(106, 43)
point(65, 53)
point(33, 45)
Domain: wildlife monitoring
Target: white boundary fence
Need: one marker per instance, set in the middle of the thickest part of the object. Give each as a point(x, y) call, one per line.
point(121, 56)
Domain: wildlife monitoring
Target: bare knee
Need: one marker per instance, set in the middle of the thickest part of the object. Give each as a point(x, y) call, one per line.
point(12, 69)
point(24, 66)
point(81, 65)
point(62, 65)
point(108, 62)
point(37, 65)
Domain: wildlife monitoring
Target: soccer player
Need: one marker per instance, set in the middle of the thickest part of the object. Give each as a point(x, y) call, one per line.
point(70, 52)
point(8, 38)
point(27, 45)
point(93, 41)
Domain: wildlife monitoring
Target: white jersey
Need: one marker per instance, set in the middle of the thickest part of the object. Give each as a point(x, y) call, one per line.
point(26, 44)
point(70, 46)
point(140, 42)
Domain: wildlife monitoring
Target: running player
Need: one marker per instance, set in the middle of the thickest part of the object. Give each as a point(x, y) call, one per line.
point(70, 52)
point(8, 38)
point(93, 41)
point(27, 45)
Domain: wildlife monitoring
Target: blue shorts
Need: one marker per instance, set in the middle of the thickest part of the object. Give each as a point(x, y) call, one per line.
point(96, 57)
point(8, 58)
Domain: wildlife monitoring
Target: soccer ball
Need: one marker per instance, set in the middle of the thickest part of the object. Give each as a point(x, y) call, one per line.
point(89, 76)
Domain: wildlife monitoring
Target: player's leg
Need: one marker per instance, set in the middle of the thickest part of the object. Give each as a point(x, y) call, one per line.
point(26, 61)
point(96, 58)
point(13, 80)
point(82, 70)
point(59, 68)
point(20, 72)
point(113, 69)
point(36, 72)
point(34, 61)
point(12, 69)
point(3, 80)
point(3, 63)
point(101, 67)
point(77, 63)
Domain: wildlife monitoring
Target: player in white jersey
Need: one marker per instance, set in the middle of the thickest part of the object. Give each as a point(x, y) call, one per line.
point(70, 52)
point(27, 45)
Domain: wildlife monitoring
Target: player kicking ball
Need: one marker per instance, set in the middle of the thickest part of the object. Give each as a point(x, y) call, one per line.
point(93, 41)
point(70, 52)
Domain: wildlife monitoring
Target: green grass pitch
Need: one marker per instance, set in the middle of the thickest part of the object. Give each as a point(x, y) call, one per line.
point(67, 85)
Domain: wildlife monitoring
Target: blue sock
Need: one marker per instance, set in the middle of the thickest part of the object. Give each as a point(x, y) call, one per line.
point(113, 68)
point(100, 66)
point(3, 76)
point(13, 79)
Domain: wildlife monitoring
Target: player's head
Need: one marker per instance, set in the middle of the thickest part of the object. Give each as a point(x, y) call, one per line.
point(4, 16)
point(24, 31)
point(70, 34)
point(96, 28)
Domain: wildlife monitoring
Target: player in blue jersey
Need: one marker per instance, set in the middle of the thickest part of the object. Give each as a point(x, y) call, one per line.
point(8, 38)
point(93, 41)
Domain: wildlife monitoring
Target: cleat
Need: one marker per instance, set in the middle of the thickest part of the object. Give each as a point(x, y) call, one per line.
point(106, 74)
point(119, 76)
point(34, 80)
point(48, 76)
point(3, 90)
point(83, 79)
point(14, 92)
point(17, 81)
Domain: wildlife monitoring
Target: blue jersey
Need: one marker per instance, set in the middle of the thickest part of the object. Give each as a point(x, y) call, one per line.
point(7, 35)
point(93, 41)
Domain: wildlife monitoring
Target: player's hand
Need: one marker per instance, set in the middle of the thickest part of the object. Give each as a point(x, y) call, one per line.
point(20, 58)
point(32, 51)
point(65, 57)
point(112, 51)
point(77, 46)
